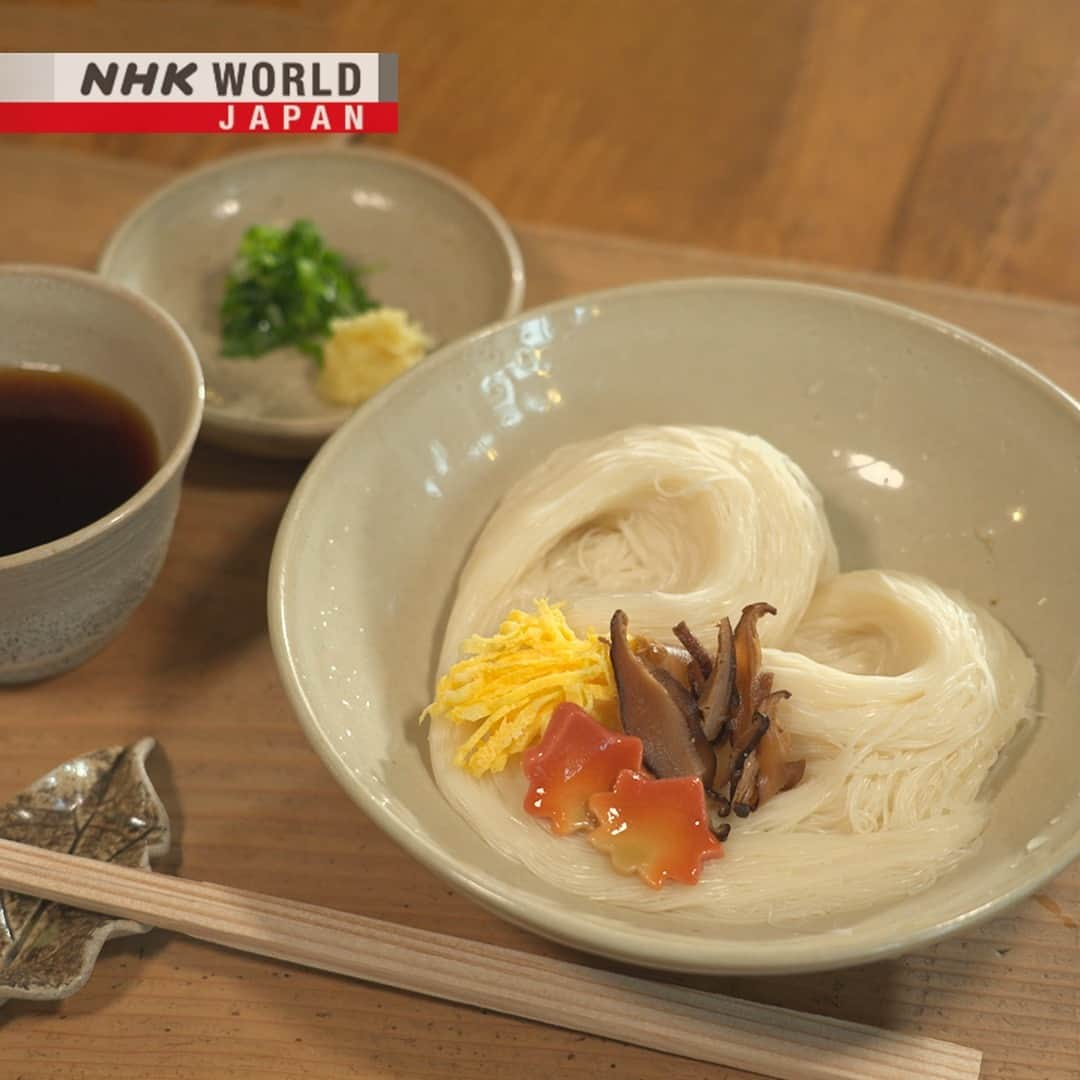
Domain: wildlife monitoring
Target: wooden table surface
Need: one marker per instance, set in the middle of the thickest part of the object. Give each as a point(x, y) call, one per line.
point(931, 139)
point(254, 807)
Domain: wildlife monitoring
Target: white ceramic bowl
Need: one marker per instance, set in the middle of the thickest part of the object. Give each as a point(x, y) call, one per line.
point(62, 601)
point(440, 251)
point(968, 438)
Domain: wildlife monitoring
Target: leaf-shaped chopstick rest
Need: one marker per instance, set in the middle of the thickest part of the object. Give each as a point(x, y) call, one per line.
point(101, 806)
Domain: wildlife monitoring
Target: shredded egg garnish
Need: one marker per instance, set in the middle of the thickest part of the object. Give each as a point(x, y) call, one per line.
point(509, 684)
point(367, 351)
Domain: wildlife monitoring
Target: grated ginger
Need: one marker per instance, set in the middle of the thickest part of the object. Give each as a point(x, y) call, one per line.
point(510, 683)
point(366, 352)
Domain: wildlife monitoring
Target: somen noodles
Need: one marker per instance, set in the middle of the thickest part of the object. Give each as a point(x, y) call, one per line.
point(903, 694)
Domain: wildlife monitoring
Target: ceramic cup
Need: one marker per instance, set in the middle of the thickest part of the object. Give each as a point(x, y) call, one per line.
point(62, 601)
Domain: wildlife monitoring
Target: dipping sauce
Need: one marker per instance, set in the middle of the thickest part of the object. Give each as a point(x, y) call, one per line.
point(71, 451)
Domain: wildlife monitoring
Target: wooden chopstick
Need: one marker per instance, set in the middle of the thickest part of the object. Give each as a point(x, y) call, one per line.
point(689, 1023)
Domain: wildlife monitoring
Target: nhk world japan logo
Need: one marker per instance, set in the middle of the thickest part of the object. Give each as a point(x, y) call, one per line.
point(198, 92)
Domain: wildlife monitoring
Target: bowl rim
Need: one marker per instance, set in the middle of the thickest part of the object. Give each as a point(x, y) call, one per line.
point(519, 905)
point(173, 463)
point(306, 429)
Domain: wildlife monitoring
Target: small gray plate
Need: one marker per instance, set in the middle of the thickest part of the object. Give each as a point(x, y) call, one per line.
point(440, 250)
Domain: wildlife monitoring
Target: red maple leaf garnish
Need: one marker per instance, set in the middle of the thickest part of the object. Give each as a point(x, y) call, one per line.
point(576, 758)
point(658, 829)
